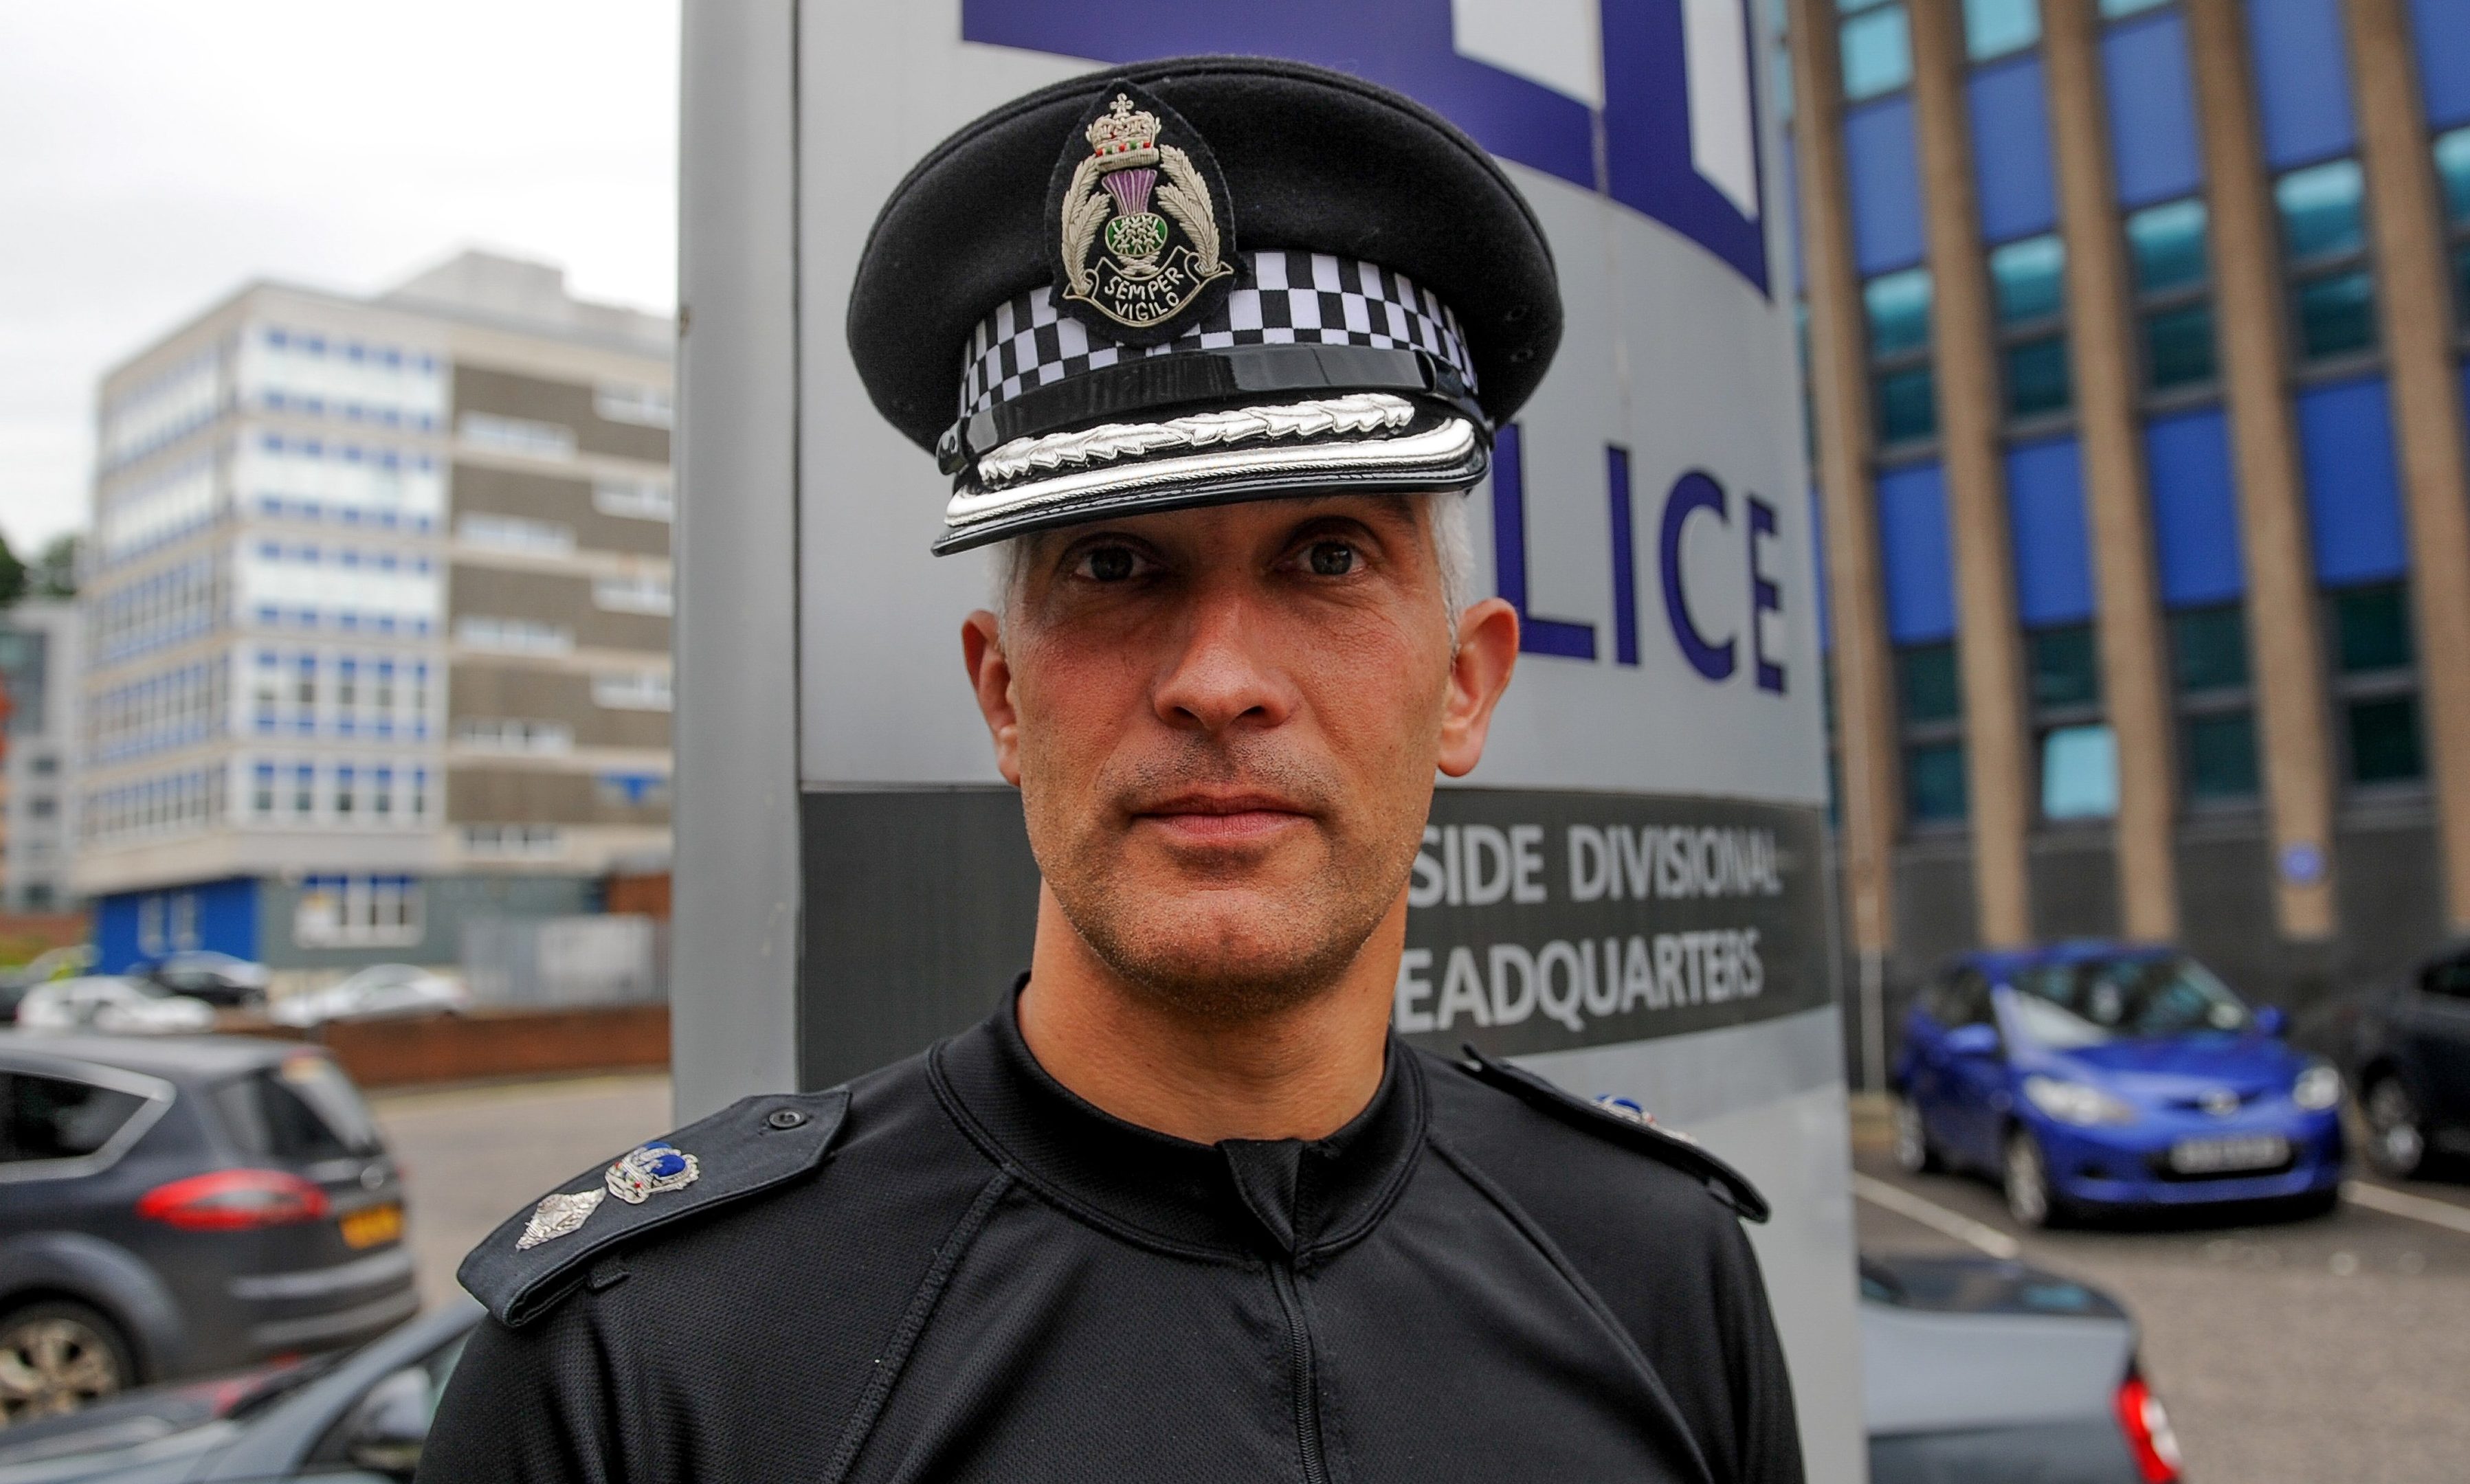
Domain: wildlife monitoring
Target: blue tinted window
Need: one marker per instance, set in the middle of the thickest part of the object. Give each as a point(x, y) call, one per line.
point(1927, 683)
point(1934, 782)
point(2371, 628)
point(2080, 773)
point(2037, 377)
point(2453, 167)
point(2336, 316)
point(2221, 757)
point(2129, 7)
point(2319, 208)
point(2178, 346)
point(2384, 741)
point(2029, 278)
point(2208, 647)
point(1994, 28)
point(1907, 406)
point(2066, 668)
point(1877, 53)
point(1899, 305)
point(2168, 245)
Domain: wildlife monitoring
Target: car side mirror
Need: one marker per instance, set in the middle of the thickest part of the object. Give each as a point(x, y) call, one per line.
point(2272, 1021)
point(390, 1424)
point(1976, 1040)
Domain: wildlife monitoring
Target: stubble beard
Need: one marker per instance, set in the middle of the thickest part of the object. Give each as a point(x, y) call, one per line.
point(1296, 940)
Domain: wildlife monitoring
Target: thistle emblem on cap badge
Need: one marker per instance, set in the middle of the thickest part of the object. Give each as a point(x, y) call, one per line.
point(1138, 231)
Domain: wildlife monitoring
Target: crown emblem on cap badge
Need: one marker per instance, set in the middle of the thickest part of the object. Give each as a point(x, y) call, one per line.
point(1140, 239)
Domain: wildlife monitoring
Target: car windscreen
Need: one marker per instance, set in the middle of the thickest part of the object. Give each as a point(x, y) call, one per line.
point(58, 1117)
point(2069, 1005)
point(302, 1108)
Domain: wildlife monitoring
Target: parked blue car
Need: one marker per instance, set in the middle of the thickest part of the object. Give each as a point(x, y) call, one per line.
point(2102, 1076)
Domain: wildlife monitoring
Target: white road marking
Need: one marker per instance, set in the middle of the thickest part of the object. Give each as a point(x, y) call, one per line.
point(1937, 1217)
point(2417, 1208)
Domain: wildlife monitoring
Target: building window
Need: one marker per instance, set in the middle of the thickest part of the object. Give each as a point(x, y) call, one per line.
point(645, 405)
point(2029, 281)
point(1929, 692)
point(2215, 707)
point(514, 635)
point(512, 533)
point(634, 499)
point(381, 794)
point(516, 435)
point(1995, 28)
point(358, 912)
point(637, 593)
point(261, 798)
point(2453, 173)
point(2117, 8)
point(346, 785)
point(2172, 293)
point(1901, 382)
point(2079, 758)
point(2374, 655)
point(1877, 46)
point(513, 734)
point(304, 791)
point(2325, 238)
point(505, 841)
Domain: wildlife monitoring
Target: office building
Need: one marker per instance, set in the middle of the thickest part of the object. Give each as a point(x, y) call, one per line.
point(376, 618)
point(38, 675)
point(2135, 332)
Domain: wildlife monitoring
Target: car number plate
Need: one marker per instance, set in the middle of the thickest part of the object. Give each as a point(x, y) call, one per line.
point(2237, 1152)
point(376, 1224)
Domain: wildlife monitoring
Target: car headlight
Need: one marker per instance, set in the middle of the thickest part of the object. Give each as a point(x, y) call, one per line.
point(2320, 1086)
point(2074, 1102)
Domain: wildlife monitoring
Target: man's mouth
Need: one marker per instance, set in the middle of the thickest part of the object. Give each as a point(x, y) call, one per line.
point(1221, 817)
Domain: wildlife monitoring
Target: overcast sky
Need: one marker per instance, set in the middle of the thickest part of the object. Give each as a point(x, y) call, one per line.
point(155, 154)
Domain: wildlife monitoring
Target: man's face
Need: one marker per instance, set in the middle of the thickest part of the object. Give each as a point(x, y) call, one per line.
point(1224, 724)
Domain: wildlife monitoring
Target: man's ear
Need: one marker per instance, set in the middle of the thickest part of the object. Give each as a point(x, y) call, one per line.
point(991, 677)
point(1479, 673)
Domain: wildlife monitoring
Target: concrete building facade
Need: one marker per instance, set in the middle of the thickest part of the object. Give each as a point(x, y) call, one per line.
point(376, 618)
point(2135, 338)
point(39, 675)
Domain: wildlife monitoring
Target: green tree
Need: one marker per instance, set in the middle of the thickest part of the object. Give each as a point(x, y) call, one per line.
point(53, 574)
point(13, 575)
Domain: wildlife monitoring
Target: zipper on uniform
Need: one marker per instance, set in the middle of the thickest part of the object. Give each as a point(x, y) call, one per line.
point(1300, 1354)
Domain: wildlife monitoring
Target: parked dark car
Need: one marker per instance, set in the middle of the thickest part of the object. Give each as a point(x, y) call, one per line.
point(2408, 1054)
point(357, 1415)
point(176, 1206)
point(2099, 1076)
point(215, 978)
point(1991, 1372)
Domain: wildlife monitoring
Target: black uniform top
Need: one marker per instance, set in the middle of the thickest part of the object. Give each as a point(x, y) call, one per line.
point(955, 1269)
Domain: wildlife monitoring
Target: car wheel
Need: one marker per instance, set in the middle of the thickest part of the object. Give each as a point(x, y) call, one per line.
point(2396, 1140)
point(1913, 1153)
point(56, 1357)
point(2027, 1181)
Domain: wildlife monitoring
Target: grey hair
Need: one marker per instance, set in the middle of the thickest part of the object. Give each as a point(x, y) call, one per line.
point(1452, 551)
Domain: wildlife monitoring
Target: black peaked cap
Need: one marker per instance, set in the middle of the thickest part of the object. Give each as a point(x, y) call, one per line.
point(1314, 160)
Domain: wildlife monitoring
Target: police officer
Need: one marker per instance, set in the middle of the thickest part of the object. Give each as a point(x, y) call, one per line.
point(1231, 337)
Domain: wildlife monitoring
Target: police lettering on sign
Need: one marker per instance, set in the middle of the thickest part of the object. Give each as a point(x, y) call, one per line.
point(1211, 351)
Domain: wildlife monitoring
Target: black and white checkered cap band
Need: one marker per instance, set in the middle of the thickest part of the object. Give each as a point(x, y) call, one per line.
point(1279, 298)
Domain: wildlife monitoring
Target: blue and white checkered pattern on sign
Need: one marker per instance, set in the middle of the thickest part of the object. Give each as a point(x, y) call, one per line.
point(1279, 298)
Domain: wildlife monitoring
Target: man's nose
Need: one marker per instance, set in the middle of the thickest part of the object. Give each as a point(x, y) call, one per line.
point(1218, 676)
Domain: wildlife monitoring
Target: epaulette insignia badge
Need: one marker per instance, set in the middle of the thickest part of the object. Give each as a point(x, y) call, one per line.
point(557, 1215)
point(640, 1174)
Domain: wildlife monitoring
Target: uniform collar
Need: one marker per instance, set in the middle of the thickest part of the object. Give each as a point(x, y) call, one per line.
point(1303, 1199)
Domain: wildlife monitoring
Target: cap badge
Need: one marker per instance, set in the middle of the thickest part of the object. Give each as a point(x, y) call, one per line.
point(647, 1171)
point(558, 1215)
point(1136, 209)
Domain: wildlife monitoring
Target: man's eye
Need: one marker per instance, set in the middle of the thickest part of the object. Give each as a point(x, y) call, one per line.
point(1109, 564)
point(1332, 558)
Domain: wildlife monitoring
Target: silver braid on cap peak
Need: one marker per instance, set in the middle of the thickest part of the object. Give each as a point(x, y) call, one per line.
point(1279, 298)
point(1354, 414)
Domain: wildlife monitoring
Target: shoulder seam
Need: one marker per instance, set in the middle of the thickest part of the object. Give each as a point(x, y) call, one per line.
point(894, 1358)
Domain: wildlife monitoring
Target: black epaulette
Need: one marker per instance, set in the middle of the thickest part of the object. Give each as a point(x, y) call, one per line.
point(537, 1257)
point(1627, 1126)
